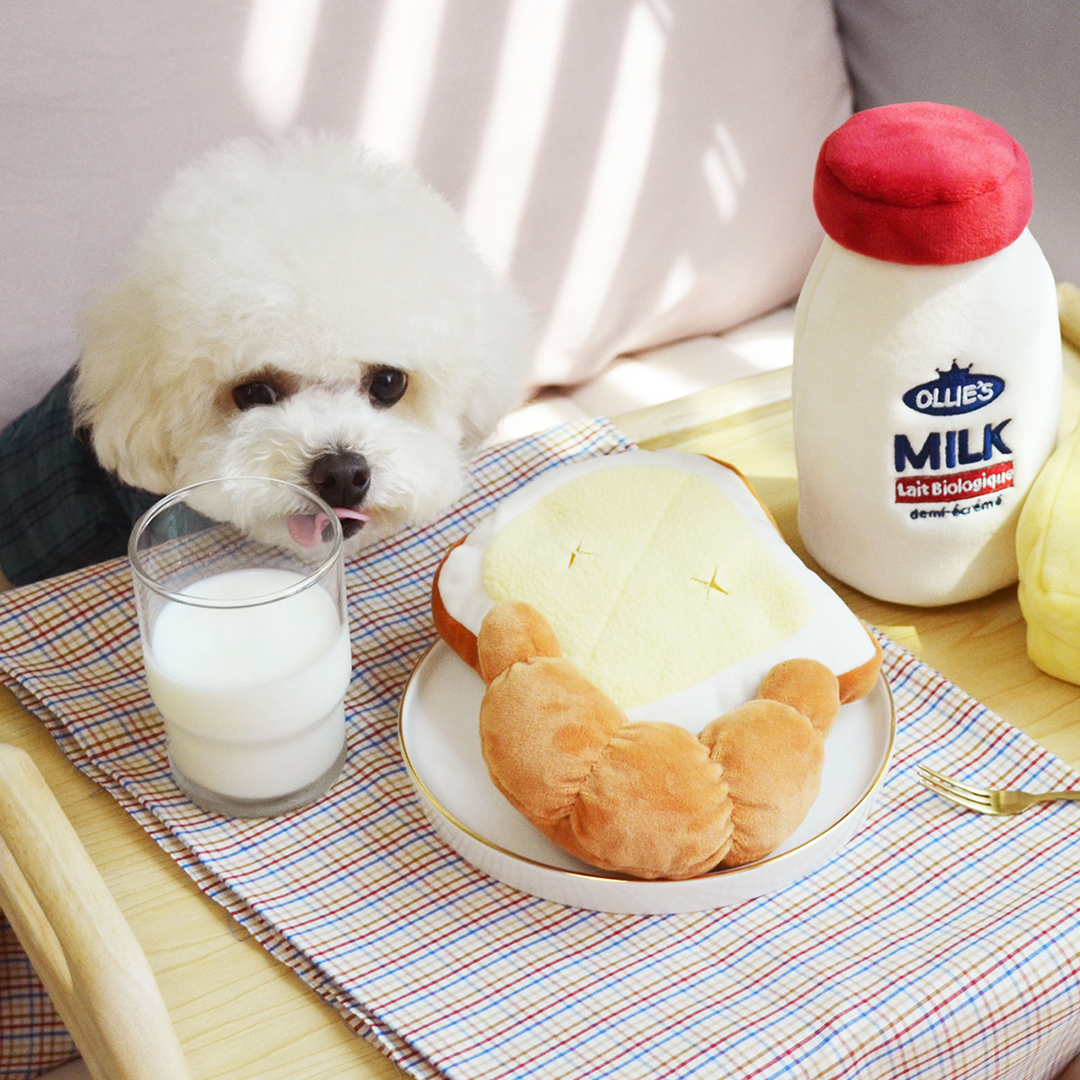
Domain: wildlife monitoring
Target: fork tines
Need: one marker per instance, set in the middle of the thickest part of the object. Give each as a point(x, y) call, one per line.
point(975, 798)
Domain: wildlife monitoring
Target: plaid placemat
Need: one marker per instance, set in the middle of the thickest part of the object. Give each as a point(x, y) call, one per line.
point(32, 1036)
point(937, 944)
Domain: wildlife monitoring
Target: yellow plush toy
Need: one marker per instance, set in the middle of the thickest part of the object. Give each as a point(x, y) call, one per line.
point(1048, 553)
point(661, 669)
point(1048, 536)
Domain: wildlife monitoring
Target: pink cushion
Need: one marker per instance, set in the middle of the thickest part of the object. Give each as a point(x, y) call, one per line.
point(642, 172)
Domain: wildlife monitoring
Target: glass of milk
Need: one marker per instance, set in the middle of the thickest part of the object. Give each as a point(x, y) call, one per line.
point(245, 641)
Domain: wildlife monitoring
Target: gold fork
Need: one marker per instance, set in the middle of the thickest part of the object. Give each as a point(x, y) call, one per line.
point(984, 800)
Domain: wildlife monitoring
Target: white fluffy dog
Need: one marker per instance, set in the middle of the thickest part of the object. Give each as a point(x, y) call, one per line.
point(305, 312)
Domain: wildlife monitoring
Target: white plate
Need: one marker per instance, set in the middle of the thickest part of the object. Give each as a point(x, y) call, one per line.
point(438, 727)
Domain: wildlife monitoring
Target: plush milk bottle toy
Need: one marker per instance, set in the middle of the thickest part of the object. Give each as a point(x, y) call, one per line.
point(927, 378)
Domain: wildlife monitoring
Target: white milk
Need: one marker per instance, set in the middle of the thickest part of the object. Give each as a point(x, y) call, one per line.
point(251, 696)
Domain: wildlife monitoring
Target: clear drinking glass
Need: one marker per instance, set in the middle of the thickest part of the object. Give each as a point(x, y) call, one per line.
point(245, 641)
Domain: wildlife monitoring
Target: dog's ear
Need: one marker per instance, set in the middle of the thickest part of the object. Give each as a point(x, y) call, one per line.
point(118, 397)
point(503, 374)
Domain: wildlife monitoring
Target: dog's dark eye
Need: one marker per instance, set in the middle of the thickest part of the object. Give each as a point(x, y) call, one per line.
point(251, 394)
point(387, 386)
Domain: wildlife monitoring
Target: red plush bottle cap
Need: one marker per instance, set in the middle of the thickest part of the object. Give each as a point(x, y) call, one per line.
point(922, 184)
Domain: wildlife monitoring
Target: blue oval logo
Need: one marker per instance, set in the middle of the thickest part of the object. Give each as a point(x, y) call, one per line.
point(954, 391)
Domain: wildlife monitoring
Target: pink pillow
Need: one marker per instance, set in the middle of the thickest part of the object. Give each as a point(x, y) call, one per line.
point(641, 170)
point(719, 224)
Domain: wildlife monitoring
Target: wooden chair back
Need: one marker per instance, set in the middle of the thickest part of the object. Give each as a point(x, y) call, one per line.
point(76, 937)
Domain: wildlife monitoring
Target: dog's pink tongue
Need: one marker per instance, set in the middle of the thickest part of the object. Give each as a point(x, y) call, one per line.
point(307, 529)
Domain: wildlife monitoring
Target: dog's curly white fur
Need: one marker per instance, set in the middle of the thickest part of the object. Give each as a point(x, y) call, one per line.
point(307, 312)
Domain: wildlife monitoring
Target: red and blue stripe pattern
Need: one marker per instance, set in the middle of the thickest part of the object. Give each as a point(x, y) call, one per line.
point(32, 1036)
point(938, 944)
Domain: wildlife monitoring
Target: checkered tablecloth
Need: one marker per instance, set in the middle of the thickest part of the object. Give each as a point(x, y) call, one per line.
point(938, 944)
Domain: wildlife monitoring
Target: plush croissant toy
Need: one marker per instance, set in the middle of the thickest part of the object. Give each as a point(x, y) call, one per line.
point(646, 797)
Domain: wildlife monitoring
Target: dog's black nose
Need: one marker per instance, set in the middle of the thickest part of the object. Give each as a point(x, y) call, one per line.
point(341, 477)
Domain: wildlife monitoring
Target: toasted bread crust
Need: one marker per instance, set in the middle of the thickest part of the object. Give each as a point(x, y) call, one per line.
point(459, 638)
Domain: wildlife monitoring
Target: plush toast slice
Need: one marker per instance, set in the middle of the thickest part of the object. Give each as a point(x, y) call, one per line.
point(665, 580)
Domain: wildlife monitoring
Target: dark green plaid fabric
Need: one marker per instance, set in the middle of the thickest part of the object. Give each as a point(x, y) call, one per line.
point(59, 509)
